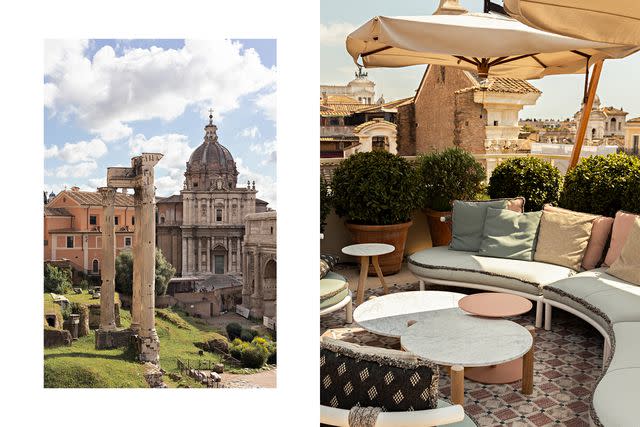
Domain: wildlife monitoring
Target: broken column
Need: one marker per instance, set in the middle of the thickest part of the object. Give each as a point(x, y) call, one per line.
point(108, 272)
point(136, 294)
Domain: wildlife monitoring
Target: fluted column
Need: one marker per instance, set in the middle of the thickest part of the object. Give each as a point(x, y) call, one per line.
point(185, 256)
point(108, 271)
point(136, 294)
point(150, 348)
point(199, 257)
point(208, 257)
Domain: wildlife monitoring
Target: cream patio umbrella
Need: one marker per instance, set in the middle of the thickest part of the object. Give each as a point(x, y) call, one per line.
point(488, 44)
point(611, 21)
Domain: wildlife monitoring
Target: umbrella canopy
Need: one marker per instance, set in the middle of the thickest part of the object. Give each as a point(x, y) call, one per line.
point(481, 42)
point(613, 21)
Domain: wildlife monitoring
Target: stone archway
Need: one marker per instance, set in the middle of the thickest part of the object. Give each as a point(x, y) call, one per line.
point(269, 278)
point(219, 258)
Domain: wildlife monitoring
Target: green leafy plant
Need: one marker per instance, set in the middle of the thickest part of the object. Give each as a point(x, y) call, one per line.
point(374, 188)
point(233, 330)
point(254, 356)
point(248, 334)
point(445, 176)
point(57, 280)
point(325, 203)
point(537, 180)
point(124, 273)
point(603, 185)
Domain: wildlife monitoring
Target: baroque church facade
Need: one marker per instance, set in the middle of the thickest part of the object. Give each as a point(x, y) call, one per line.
point(201, 230)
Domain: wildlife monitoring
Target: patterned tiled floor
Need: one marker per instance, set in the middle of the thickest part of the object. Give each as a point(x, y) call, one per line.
point(567, 366)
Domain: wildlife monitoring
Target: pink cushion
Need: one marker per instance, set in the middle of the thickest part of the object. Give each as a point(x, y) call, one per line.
point(621, 228)
point(598, 240)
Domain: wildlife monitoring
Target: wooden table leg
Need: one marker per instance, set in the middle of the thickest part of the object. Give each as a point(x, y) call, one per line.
point(457, 384)
point(527, 365)
point(364, 269)
point(376, 266)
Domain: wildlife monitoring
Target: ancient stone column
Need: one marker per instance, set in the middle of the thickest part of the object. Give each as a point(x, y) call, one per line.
point(185, 256)
point(150, 344)
point(137, 255)
point(108, 271)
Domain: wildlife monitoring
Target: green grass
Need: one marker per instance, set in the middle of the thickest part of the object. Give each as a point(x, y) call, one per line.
point(83, 298)
point(81, 365)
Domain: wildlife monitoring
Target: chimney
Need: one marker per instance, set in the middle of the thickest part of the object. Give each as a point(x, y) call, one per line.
point(325, 98)
point(75, 188)
point(450, 7)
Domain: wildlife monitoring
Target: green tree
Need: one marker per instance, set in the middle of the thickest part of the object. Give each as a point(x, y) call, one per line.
point(57, 280)
point(124, 273)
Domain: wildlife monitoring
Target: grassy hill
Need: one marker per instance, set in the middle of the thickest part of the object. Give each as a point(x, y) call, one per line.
point(81, 365)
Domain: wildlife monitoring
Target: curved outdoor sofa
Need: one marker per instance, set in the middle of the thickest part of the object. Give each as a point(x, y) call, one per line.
point(609, 304)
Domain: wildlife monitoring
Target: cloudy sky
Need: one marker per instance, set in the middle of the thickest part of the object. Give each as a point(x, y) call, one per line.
point(561, 95)
point(108, 100)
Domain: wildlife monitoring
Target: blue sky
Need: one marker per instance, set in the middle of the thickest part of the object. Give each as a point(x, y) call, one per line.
point(108, 100)
point(561, 95)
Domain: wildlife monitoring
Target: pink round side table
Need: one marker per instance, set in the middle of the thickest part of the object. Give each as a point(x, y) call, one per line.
point(495, 304)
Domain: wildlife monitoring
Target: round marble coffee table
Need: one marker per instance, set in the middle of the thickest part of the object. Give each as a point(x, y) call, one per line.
point(496, 304)
point(389, 315)
point(364, 251)
point(456, 339)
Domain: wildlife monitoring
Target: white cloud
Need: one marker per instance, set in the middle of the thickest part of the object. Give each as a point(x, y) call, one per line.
point(105, 93)
point(267, 104)
point(95, 183)
point(79, 170)
point(174, 147)
point(169, 184)
point(57, 188)
point(266, 185)
point(335, 33)
point(266, 150)
point(252, 132)
point(82, 151)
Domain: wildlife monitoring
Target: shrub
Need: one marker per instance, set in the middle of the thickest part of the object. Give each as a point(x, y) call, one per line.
point(248, 334)
point(269, 346)
point(66, 310)
point(233, 330)
point(603, 185)
point(537, 180)
point(273, 357)
point(124, 273)
point(325, 203)
point(236, 347)
point(57, 280)
point(374, 188)
point(445, 176)
point(84, 284)
point(254, 356)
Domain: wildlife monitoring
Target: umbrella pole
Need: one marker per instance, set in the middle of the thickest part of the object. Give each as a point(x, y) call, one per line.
point(586, 112)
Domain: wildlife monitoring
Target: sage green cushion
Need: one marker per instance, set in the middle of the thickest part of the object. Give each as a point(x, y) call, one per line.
point(616, 397)
point(468, 223)
point(598, 294)
point(331, 285)
point(468, 267)
point(335, 299)
point(508, 234)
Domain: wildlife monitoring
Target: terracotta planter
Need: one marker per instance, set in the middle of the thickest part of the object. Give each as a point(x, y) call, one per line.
point(395, 235)
point(440, 231)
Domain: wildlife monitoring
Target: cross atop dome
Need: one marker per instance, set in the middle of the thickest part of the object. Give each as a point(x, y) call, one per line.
point(210, 116)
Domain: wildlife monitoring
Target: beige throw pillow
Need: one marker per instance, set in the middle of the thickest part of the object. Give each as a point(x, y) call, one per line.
point(627, 266)
point(563, 239)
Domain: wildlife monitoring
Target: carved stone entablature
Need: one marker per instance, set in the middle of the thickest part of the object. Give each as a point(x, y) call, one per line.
point(108, 195)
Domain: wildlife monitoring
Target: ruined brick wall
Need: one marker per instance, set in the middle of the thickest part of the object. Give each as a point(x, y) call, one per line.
point(469, 123)
point(406, 127)
point(435, 108)
point(56, 337)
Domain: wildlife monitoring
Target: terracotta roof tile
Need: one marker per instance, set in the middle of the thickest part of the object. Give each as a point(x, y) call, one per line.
point(93, 198)
point(503, 85)
point(611, 111)
point(634, 120)
point(176, 198)
point(56, 212)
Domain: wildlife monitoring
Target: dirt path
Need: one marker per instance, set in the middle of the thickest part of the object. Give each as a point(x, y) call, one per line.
point(264, 379)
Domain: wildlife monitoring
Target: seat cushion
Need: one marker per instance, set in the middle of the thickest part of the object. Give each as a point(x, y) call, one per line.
point(334, 299)
point(607, 299)
point(468, 267)
point(627, 346)
point(466, 422)
point(331, 285)
point(616, 397)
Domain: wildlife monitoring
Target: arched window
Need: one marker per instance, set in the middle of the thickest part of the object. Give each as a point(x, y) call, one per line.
point(95, 267)
point(593, 133)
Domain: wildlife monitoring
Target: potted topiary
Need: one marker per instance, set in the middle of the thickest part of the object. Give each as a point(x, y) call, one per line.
point(537, 180)
point(603, 185)
point(445, 176)
point(376, 193)
point(325, 203)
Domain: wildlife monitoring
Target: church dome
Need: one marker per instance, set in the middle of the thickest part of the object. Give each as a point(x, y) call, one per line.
point(211, 165)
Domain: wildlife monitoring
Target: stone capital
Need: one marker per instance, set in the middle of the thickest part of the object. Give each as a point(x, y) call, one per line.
point(108, 195)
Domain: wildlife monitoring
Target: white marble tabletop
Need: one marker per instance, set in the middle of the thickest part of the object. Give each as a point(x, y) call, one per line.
point(452, 337)
point(368, 249)
point(388, 315)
